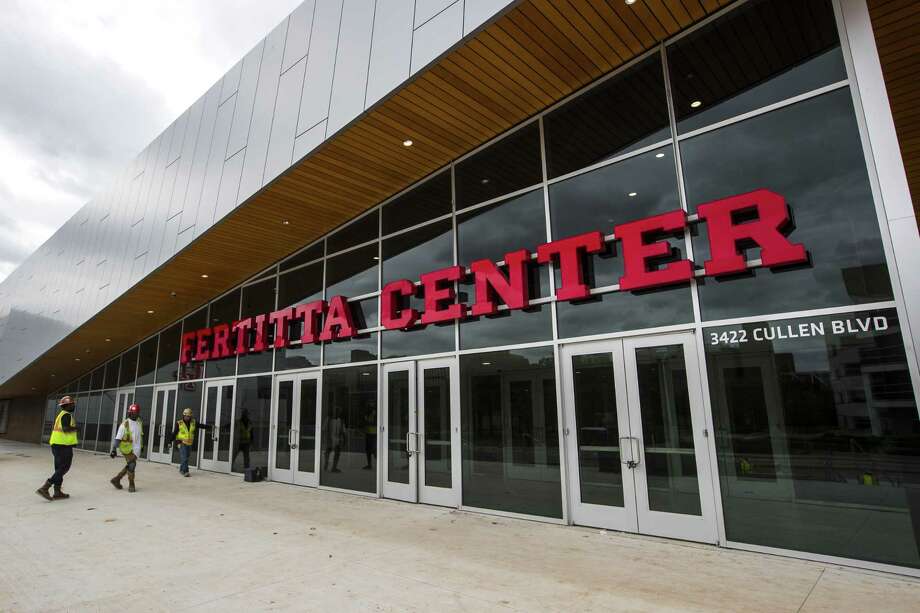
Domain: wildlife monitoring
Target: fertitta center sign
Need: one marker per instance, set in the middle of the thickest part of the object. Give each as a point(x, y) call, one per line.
point(646, 258)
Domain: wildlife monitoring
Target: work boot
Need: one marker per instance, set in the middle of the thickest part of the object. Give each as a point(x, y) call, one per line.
point(43, 491)
point(131, 483)
point(116, 480)
point(59, 493)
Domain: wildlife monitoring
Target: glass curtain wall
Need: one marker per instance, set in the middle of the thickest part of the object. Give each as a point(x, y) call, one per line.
point(815, 431)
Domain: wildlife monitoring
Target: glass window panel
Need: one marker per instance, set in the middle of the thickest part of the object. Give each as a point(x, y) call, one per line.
point(364, 313)
point(105, 433)
point(624, 113)
point(507, 328)
point(503, 167)
point(97, 378)
point(111, 373)
point(309, 254)
point(51, 411)
point(597, 432)
point(147, 362)
point(510, 435)
point(817, 435)
point(84, 383)
point(189, 398)
point(349, 395)
point(306, 429)
point(758, 54)
point(128, 370)
point(352, 274)
point(79, 414)
point(284, 425)
point(398, 413)
point(622, 311)
point(225, 310)
point(168, 357)
point(356, 349)
point(409, 255)
point(427, 201)
point(361, 231)
point(437, 455)
point(420, 340)
point(143, 396)
point(252, 423)
point(91, 432)
point(195, 321)
point(258, 299)
point(809, 153)
point(667, 430)
point(299, 287)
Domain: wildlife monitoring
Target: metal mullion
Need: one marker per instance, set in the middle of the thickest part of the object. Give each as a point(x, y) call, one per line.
point(299, 266)
point(417, 226)
point(704, 22)
point(502, 198)
point(352, 248)
point(496, 139)
point(491, 349)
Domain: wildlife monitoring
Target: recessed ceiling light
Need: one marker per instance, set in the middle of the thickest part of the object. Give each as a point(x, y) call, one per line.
point(34, 388)
point(696, 104)
point(407, 142)
point(487, 363)
point(365, 374)
point(150, 312)
point(87, 351)
point(53, 375)
point(108, 340)
point(76, 359)
point(484, 181)
point(659, 155)
point(204, 276)
point(285, 222)
point(630, 2)
point(376, 257)
point(631, 194)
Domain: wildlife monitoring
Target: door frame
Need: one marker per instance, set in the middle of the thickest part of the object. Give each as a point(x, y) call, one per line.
point(213, 437)
point(293, 474)
point(158, 420)
point(395, 490)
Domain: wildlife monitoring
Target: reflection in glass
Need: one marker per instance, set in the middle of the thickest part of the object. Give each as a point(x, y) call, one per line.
point(189, 398)
point(225, 423)
point(252, 422)
point(111, 373)
point(398, 429)
point(96, 380)
point(510, 434)
point(128, 370)
point(284, 424)
point(753, 56)
point(810, 153)
point(147, 362)
point(429, 200)
point(143, 396)
point(153, 431)
point(168, 358)
point(624, 113)
point(507, 328)
point(349, 396)
point(505, 166)
point(408, 255)
point(359, 348)
point(597, 433)
point(210, 416)
point(299, 287)
point(195, 321)
point(353, 273)
point(258, 299)
point(622, 311)
point(667, 431)
point(826, 457)
point(224, 311)
point(309, 254)
point(91, 432)
point(306, 428)
point(358, 232)
point(435, 338)
point(106, 421)
point(436, 405)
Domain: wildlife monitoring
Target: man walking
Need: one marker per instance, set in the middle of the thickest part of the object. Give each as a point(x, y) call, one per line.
point(129, 441)
point(184, 436)
point(63, 440)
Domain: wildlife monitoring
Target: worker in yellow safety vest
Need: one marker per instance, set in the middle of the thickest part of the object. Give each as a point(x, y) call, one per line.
point(184, 436)
point(129, 440)
point(63, 439)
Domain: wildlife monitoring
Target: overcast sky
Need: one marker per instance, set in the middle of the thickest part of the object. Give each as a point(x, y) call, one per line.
point(85, 85)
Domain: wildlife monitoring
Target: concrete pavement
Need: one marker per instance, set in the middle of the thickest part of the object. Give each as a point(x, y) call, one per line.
point(213, 542)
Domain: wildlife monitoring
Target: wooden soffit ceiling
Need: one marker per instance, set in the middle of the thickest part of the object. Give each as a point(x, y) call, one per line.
point(532, 56)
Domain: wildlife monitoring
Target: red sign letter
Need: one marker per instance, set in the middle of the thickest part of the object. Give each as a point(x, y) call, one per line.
point(242, 328)
point(220, 348)
point(435, 295)
point(391, 317)
point(339, 324)
point(201, 344)
point(766, 231)
point(310, 313)
point(490, 281)
point(188, 340)
point(280, 320)
point(637, 253)
point(569, 251)
point(261, 342)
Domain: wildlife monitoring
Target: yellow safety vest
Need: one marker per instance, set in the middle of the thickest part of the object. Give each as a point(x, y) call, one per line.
point(58, 436)
point(186, 434)
point(245, 432)
point(126, 445)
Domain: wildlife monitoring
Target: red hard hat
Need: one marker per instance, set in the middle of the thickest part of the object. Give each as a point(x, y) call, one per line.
point(134, 409)
point(65, 401)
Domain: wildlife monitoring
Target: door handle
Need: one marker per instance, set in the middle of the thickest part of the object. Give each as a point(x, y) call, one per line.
point(408, 448)
point(292, 437)
point(629, 451)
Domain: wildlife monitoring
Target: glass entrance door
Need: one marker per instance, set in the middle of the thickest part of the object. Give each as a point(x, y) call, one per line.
point(218, 414)
point(636, 437)
point(162, 419)
point(294, 449)
point(124, 399)
point(420, 432)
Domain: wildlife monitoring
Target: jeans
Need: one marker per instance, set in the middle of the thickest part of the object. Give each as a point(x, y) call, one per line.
point(63, 458)
point(183, 457)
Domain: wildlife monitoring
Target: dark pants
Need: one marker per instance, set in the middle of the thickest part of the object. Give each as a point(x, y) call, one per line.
point(245, 448)
point(63, 458)
point(183, 457)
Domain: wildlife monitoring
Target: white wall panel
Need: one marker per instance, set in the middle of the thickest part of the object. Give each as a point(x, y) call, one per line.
point(231, 81)
point(281, 142)
point(239, 132)
point(477, 12)
point(309, 140)
point(229, 185)
point(264, 111)
point(427, 9)
point(187, 157)
point(437, 36)
point(180, 125)
point(215, 166)
point(391, 49)
point(202, 151)
point(317, 86)
point(349, 82)
point(299, 29)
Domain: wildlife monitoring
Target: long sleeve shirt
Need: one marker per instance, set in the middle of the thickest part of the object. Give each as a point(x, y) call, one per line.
point(198, 426)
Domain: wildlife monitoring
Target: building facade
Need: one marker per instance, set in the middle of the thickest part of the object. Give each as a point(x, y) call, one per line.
point(676, 301)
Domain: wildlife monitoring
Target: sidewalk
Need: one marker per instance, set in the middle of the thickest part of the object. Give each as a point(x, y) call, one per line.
point(215, 543)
